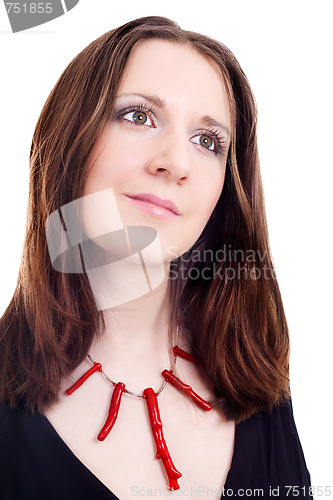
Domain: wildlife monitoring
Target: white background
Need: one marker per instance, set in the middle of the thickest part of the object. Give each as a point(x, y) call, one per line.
point(285, 49)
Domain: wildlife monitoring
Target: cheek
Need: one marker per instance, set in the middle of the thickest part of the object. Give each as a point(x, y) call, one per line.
point(110, 163)
point(203, 206)
point(210, 193)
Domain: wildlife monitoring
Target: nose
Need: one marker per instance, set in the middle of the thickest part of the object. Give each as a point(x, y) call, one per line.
point(171, 156)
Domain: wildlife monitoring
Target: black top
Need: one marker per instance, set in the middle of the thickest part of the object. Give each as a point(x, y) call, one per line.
point(36, 464)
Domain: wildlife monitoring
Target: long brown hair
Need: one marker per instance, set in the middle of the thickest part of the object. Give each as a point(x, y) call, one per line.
point(236, 327)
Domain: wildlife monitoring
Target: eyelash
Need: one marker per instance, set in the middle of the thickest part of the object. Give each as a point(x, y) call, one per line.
point(132, 109)
point(219, 141)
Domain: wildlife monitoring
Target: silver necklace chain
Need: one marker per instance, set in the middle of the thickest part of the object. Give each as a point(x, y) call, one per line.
point(135, 393)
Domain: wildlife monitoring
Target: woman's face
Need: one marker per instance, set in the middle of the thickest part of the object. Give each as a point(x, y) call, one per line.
point(164, 151)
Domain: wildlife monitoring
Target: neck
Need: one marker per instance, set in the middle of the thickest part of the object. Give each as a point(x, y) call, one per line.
point(137, 321)
point(136, 334)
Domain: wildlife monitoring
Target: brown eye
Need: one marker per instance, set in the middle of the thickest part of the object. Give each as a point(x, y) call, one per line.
point(206, 141)
point(209, 141)
point(139, 117)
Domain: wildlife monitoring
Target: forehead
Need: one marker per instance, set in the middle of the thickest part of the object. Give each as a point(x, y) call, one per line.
point(176, 73)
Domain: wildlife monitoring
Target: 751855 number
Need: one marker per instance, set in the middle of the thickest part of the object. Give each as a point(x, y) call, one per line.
point(32, 8)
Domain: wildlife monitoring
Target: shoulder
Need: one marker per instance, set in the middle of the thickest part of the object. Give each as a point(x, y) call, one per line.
point(17, 429)
point(14, 418)
point(267, 446)
point(11, 420)
point(277, 433)
point(13, 457)
point(277, 422)
point(34, 459)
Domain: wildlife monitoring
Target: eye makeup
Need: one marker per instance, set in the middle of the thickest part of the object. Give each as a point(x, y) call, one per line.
point(119, 115)
point(218, 140)
point(220, 143)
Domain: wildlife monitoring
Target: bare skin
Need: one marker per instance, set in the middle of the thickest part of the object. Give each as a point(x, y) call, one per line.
point(200, 443)
point(176, 156)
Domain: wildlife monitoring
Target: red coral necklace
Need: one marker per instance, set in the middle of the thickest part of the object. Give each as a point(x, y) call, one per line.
point(153, 411)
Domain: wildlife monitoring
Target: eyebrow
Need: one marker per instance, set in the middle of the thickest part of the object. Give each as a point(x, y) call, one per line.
point(211, 122)
point(150, 98)
point(207, 120)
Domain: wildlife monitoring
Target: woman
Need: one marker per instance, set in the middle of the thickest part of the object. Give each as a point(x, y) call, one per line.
point(146, 230)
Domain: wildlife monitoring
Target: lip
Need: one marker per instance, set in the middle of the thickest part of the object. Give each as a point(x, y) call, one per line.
point(155, 205)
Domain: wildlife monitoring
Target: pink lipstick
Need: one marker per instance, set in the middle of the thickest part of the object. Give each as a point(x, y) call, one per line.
point(154, 205)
